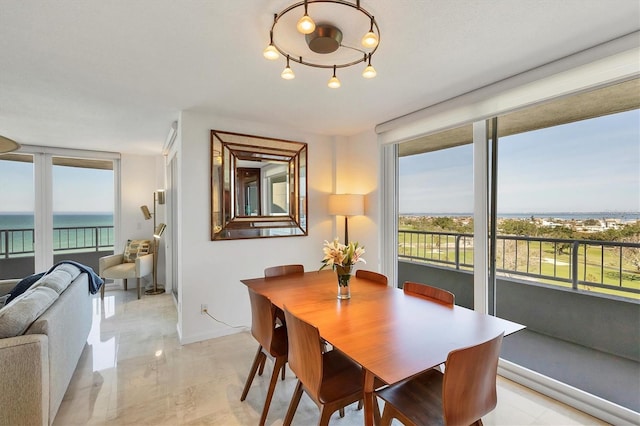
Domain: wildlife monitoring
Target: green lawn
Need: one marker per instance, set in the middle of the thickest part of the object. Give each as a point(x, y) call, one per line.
point(535, 258)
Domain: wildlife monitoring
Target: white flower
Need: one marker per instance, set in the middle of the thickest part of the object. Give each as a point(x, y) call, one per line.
point(336, 254)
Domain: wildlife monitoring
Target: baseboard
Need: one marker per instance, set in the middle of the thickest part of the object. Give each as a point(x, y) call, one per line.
point(185, 340)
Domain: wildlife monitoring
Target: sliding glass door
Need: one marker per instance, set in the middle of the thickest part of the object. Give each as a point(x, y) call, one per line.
point(17, 215)
point(83, 209)
point(56, 205)
point(557, 189)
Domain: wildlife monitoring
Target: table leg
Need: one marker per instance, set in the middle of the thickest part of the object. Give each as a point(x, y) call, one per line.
point(368, 398)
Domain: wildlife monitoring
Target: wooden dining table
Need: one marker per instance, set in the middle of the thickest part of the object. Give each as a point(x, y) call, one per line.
point(393, 336)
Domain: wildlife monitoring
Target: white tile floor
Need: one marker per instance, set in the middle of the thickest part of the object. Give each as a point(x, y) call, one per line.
point(134, 371)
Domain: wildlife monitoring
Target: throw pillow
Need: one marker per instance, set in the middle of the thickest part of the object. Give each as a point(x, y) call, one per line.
point(17, 316)
point(135, 249)
point(24, 285)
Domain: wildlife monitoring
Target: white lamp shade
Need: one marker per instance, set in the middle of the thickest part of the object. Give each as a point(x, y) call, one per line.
point(346, 204)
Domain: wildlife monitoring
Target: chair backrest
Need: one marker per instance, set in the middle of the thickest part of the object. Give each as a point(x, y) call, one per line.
point(305, 352)
point(278, 271)
point(262, 319)
point(372, 276)
point(469, 386)
point(429, 292)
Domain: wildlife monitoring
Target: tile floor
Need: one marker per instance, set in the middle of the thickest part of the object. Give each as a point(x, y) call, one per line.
point(134, 372)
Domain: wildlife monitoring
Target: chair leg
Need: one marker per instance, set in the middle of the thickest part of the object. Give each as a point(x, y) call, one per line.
point(341, 412)
point(325, 415)
point(278, 364)
point(263, 361)
point(138, 286)
point(125, 282)
point(284, 370)
point(387, 416)
point(293, 405)
point(259, 356)
point(102, 291)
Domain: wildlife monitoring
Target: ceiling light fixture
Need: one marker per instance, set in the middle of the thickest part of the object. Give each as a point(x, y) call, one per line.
point(288, 73)
point(324, 38)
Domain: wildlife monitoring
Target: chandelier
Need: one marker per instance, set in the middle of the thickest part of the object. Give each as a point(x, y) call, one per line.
point(323, 43)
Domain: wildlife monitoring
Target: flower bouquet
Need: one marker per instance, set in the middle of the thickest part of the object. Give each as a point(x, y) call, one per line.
point(341, 259)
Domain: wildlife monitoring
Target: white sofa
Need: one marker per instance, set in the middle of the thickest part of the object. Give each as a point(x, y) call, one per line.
point(36, 366)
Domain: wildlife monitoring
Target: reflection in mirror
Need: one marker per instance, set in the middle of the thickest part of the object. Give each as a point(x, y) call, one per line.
point(258, 187)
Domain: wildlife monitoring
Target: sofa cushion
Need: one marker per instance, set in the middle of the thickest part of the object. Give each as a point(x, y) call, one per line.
point(24, 285)
point(72, 270)
point(18, 315)
point(57, 280)
point(136, 248)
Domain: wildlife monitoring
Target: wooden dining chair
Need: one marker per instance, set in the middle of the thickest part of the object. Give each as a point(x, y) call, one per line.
point(460, 396)
point(428, 292)
point(330, 379)
point(372, 276)
point(272, 343)
point(280, 270)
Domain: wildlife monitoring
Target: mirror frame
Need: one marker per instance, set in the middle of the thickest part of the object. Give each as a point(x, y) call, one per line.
point(227, 150)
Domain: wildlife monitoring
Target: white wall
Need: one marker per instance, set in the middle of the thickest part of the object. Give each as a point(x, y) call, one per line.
point(139, 177)
point(210, 271)
point(357, 172)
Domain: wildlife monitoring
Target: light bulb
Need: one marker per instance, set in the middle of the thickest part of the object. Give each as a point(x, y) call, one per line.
point(288, 74)
point(306, 25)
point(271, 53)
point(334, 83)
point(370, 40)
point(369, 72)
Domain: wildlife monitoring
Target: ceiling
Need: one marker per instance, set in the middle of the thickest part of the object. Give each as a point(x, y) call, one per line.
point(113, 75)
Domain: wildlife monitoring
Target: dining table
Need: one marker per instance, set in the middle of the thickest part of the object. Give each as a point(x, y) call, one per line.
point(392, 335)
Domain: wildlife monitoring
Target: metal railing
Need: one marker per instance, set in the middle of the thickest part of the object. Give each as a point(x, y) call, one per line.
point(607, 265)
point(21, 242)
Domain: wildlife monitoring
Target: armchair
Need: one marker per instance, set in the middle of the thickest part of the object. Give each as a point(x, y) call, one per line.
point(115, 267)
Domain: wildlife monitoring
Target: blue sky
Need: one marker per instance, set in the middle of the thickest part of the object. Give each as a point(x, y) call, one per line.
point(588, 166)
point(74, 189)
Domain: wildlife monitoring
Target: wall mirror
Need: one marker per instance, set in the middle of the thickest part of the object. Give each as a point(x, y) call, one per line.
point(258, 187)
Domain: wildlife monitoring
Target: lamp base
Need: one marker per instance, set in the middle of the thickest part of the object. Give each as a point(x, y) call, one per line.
point(154, 291)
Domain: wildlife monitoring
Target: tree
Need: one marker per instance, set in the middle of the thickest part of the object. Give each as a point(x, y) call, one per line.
point(518, 227)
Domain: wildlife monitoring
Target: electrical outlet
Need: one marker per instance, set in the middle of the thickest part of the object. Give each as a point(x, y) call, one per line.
point(203, 309)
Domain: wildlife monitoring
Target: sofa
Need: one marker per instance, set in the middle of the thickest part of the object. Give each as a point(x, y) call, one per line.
point(51, 322)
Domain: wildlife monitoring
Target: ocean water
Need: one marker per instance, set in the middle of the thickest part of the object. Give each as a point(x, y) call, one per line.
point(60, 220)
point(20, 237)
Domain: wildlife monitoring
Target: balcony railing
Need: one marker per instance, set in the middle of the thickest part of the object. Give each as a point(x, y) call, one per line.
point(21, 242)
point(605, 266)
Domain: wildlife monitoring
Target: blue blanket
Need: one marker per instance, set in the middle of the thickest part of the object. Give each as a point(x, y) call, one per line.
point(95, 282)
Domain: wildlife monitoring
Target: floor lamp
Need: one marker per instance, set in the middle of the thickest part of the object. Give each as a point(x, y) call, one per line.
point(157, 234)
point(158, 230)
point(346, 205)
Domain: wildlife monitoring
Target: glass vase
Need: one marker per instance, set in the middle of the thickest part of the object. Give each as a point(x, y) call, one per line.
point(344, 276)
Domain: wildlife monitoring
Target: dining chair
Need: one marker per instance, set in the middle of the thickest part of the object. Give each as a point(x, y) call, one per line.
point(272, 343)
point(460, 396)
point(330, 379)
point(372, 276)
point(280, 270)
point(429, 292)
